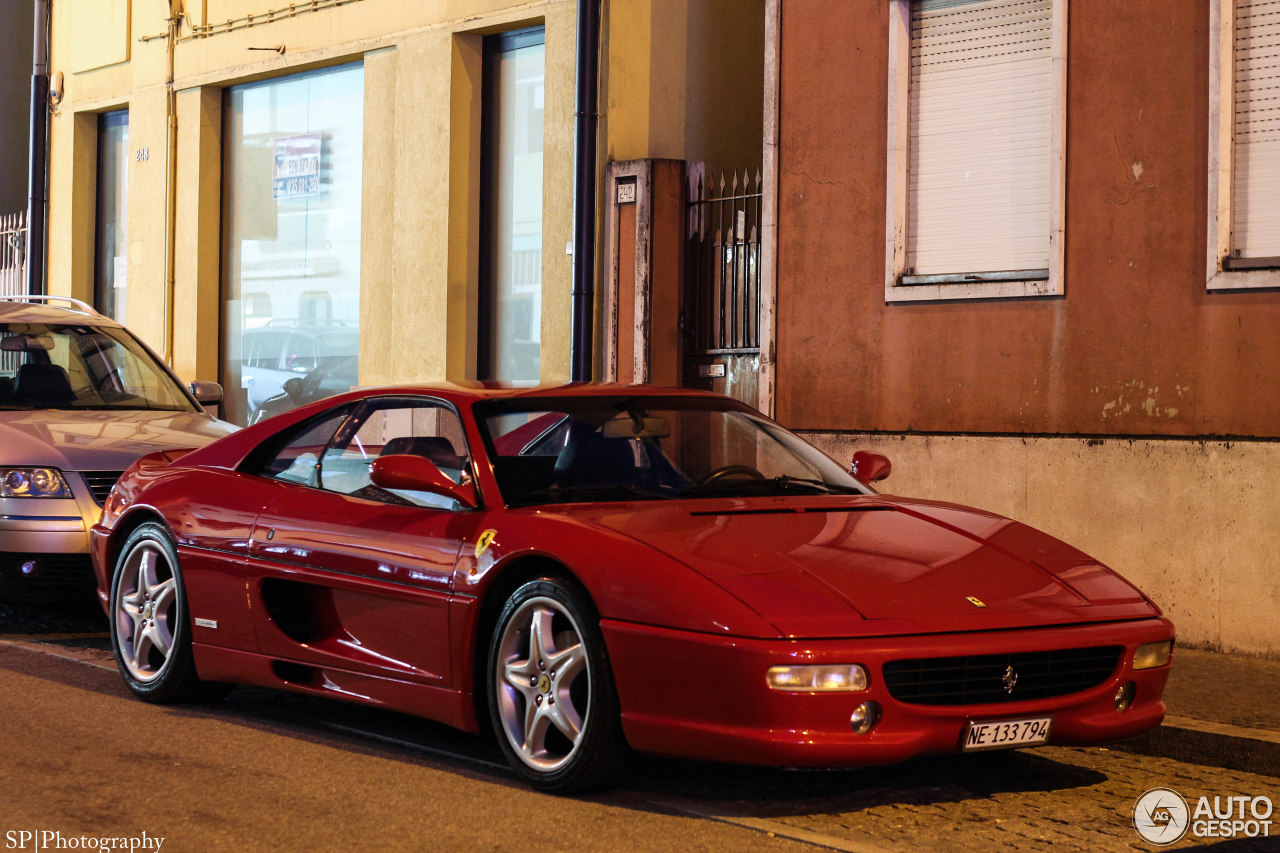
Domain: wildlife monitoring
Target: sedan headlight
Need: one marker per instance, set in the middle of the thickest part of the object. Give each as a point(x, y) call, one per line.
point(818, 679)
point(33, 483)
point(1152, 655)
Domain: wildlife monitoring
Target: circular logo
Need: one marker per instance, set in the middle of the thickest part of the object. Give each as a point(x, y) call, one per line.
point(1161, 816)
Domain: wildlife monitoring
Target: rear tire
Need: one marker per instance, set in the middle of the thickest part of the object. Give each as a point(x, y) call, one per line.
point(552, 699)
point(150, 627)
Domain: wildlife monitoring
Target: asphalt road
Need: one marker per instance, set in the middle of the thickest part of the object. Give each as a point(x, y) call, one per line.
point(264, 770)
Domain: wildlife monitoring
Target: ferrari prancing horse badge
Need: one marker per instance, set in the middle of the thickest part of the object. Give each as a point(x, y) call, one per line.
point(485, 540)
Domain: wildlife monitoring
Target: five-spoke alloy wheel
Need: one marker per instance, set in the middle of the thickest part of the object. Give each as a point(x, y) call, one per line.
point(552, 698)
point(149, 631)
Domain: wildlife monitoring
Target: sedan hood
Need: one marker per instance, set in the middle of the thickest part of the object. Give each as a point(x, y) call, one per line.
point(827, 567)
point(100, 440)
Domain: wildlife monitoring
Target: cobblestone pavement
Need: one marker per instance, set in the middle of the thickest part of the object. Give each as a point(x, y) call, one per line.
point(81, 615)
point(1050, 798)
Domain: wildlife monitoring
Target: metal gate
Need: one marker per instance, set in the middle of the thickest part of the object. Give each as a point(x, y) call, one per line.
point(13, 244)
point(721, 317)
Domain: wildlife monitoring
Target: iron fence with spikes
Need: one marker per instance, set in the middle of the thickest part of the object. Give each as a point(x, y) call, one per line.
point(13, 254)
point(722, 300)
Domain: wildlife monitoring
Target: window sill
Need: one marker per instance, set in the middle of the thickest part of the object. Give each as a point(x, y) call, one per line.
point(1003, 285)
point(1239, 279)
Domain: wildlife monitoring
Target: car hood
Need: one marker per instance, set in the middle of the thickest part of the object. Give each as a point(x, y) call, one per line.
point(828, 567)
point(100, 440)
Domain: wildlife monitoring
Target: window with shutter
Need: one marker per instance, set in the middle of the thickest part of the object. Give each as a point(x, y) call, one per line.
point(977, 115)
point(1244, 144)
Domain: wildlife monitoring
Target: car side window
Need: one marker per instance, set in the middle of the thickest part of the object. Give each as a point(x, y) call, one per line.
point(389, 426)
point(297, 461)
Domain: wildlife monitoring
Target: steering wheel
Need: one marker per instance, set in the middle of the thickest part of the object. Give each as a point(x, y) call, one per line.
point(731, 471)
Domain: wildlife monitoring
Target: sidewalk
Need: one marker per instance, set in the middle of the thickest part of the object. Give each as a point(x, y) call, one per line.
point(1224, 710)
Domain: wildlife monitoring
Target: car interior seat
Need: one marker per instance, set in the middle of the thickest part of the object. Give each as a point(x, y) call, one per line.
point(42, 385)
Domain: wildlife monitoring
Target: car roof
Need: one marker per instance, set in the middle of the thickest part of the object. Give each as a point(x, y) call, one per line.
point(231, 451)
point(50, 309)
point(471, 392)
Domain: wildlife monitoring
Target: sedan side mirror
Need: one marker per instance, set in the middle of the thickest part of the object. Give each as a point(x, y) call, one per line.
point(206, 393)
point(412, 473)
point(870, 466)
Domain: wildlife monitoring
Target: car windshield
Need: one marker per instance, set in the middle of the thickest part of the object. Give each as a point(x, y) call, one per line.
point(571, 449)
point(74, 366)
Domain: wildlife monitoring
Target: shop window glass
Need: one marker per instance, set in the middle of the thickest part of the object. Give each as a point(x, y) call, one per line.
point(292, 194)
point(110, 265)
point(511, 258)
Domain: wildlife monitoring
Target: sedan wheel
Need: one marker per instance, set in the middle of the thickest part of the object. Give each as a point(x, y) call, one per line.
point(552, 695)
point(149, 631)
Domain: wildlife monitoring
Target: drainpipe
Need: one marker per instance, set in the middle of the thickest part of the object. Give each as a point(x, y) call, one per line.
point(170, 180)
point(587, 119)
point(37, 195)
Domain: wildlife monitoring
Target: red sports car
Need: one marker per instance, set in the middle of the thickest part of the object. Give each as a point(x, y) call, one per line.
point(592, 570)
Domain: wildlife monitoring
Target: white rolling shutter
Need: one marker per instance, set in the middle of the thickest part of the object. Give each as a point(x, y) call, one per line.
point(1255, 219)
point(981, 124)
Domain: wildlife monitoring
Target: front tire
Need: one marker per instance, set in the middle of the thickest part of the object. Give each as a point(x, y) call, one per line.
point(552, 699)
point(150, 630)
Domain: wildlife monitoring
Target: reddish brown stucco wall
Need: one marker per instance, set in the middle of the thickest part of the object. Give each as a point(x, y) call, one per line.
point(1135, 347)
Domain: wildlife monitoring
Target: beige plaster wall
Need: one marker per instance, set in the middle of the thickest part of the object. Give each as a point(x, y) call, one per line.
point(685, 81)
point(1195, 524)
point(420, 220)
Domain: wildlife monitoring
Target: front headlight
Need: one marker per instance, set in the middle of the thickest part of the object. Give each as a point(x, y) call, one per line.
point(1152, 655)
point(817, 679)
point(32, 483)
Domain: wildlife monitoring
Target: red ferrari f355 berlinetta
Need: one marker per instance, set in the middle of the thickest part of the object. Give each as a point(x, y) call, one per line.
point(594, 570)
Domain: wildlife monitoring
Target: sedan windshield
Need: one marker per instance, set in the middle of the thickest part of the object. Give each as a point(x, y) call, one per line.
point(570, 449)
point(71, 366)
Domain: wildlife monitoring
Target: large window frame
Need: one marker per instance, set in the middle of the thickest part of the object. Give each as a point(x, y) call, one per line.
point(1223, 272)
point(110, 239)
point(291, 253)
point(963, 284)
point(491, 310)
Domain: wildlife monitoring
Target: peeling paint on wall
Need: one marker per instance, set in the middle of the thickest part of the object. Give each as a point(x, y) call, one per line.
point(1137, 393)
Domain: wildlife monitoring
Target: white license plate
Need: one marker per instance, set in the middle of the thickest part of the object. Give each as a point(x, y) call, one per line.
point(1006, 734)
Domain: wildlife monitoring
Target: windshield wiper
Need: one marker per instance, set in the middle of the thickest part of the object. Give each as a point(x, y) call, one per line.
point(784, 482)
point(787, 479)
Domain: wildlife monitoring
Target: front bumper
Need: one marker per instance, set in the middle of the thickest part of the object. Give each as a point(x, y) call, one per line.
point(700, 696)
point(51, 534)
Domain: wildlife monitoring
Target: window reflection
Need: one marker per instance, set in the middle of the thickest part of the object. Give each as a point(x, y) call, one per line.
point(512, 256)
point(291, 247)
point(110, 257)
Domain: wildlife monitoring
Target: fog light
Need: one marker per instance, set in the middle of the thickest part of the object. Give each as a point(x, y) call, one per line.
point(1124, 696)
point(29, 567)
point(864, 717)
point(1152, 655)
point(817, 679)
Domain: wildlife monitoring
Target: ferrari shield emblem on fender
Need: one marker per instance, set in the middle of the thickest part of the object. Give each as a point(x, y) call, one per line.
point(976, 602)
point(485, 540)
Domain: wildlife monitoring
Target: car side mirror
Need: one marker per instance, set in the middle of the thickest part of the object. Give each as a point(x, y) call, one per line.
point(413, 473)
point(294, 386)
point(870, 466)
point(207, 393)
